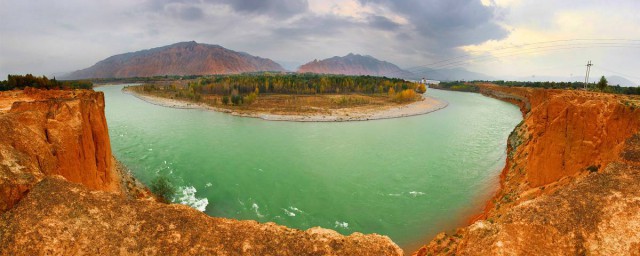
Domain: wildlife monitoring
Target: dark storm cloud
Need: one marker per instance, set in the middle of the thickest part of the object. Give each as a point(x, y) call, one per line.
point(190, 13)
point(191, 9)
point(449, 23)
point(382, 22)
point(272, 8)
point(315, 26)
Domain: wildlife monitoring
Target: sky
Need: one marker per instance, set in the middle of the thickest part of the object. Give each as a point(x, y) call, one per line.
point(501, 38)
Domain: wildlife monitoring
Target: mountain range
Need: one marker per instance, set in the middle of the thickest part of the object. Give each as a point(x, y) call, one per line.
point(191, 58)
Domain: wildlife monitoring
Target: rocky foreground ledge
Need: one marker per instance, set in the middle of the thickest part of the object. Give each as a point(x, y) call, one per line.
point(571, 184)
point(62, 193)
point(59, 217)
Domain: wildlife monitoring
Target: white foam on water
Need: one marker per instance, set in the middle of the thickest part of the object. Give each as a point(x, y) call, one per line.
point(290, 214)
point(208, 184)
point(342, 225)
point(187, 196)
point(255, 207)
point(416, 193)
point(398, 194)
point(295, 209)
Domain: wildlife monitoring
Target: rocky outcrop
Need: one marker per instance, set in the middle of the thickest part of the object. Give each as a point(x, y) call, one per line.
point(566, 132)
point(62, 193)
point(354, 64)
point(53, 133)
point(185, 58)
point(571, 182)
point(62, 218)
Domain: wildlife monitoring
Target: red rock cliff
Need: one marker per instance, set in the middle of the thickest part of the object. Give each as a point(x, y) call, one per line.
point(569, 131)
point(569, 183)
point(53, 133)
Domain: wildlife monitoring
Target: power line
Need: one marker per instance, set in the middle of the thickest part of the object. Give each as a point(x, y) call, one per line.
point(546, 46)
point(521, 52)
point(471, 53)
point(527, 51)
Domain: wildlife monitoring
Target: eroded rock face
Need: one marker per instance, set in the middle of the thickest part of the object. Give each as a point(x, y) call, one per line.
point(53, 133)
point(62, 218)
point(571, 183)
point(567, 132)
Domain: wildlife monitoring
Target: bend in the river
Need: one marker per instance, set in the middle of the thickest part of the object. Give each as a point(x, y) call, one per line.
point(408, 178)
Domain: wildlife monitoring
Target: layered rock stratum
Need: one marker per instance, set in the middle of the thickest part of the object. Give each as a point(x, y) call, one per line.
point(354, 64)
point(185, 58)
point(571, 185)
point(62, 193)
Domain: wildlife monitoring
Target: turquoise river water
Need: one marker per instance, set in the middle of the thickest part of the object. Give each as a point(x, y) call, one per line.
point(408, 178)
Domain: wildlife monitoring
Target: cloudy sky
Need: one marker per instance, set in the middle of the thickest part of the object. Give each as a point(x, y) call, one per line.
point(502, 38)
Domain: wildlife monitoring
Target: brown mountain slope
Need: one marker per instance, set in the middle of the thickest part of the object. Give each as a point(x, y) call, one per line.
point(354, 64)
point(571, 183)
point(185, 58)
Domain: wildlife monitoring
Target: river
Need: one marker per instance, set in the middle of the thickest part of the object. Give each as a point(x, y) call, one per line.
point(408, 178)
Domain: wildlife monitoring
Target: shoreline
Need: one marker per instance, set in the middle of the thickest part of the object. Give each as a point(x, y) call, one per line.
point(427, 105)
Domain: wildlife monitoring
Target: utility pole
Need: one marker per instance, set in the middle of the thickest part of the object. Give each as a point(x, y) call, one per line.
point(586, 77)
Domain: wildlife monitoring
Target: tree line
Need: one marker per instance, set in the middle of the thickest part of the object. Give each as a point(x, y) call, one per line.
point(244, 88)
point(601, 86)
point(300, 84)
point(41, 82)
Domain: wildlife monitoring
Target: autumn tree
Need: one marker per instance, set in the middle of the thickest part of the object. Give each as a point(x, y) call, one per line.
point(391, 92)
point(421, 88)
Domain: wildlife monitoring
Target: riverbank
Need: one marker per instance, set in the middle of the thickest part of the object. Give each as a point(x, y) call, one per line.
point(424, 106)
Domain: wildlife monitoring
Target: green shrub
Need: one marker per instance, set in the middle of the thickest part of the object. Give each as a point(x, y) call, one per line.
point(161, 186)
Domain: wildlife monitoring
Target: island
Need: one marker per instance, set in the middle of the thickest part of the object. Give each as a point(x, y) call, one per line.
point(293, 96)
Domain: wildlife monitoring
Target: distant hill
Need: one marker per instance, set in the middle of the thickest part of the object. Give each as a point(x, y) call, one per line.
point(448, 74)
point(289, 65)
point(354, 64)
point(185, 58)
point(618, 80)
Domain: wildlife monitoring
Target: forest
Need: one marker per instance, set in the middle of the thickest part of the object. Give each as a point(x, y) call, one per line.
point(245, 88)
point(29, 80)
